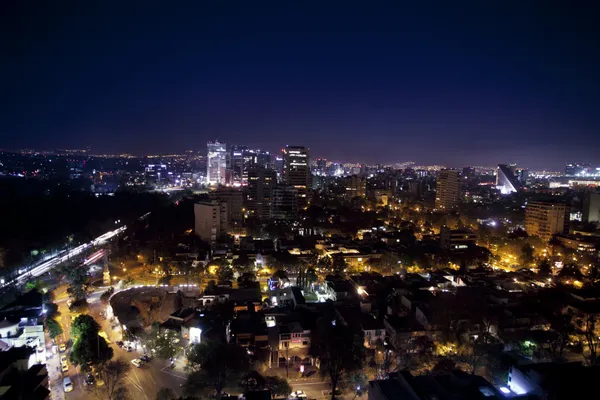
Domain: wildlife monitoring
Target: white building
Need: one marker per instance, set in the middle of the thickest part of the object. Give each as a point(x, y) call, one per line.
point(216, 165)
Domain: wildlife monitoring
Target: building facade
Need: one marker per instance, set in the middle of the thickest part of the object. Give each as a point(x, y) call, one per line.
point(591, 207)
point(210, 220)
point(296, 171)
point(216, 164)
point(284, 203)
point(259, 191)
point(448, 190)
point(544, 219)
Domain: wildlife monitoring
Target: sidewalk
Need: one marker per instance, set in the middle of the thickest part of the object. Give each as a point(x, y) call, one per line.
point(54, 374)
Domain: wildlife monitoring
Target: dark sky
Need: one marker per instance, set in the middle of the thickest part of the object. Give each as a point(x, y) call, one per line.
point(446, 82)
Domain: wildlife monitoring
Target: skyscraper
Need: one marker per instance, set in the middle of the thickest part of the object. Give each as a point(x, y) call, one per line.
point(237, 164)
point(216, 171)
point(546, 218)
point(259, 191)
point(506, 181)
point(448, 190)
point(284, 203)
point(296, 171)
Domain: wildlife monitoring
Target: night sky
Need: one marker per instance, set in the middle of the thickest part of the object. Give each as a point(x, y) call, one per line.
point(459, 83)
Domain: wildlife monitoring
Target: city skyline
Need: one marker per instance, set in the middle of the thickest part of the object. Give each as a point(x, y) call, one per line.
point(462, 86)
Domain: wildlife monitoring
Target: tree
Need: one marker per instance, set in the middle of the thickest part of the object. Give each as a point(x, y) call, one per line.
point(279, 387)
point(544, 267)
point(53, 327)
point(76, 278)
point(225, 273)
point(443, 366)
point(338, 264)
point(90, 349)
point(252, 381)
point(588, 331)
point(311, 276)
point(83, 323)
point(165, 343)
point(222, 364)
point(113, 374)
point(166, 394)
point(527, 253)
point(105, 296)
point(339, 350)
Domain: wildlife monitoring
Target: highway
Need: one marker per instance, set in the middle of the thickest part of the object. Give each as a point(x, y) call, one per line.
point(61, 257)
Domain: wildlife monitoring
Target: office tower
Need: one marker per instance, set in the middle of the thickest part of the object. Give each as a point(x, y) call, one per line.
point(254, 159)
point(591, 207)
point(210, 220)
point(258, 192)
point(237, 164)
point(284, 203)
point(216, 171)
point(296, 171)
point(356, 186)
point(506, 181)
point(232, 196)
point(522, 175)
point(448, 190)
point(546, 218)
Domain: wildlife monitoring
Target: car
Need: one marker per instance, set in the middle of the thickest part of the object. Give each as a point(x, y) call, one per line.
point(62, 347)
point(89, 380)
point(67, 384)
point(145, 358)
point(136, 362)
point(64, 367)
point(63, 359)
point(120, 343)
point(129, 349)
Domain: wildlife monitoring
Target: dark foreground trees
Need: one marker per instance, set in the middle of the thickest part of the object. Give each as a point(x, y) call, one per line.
point(339, 349)
point(223, 364)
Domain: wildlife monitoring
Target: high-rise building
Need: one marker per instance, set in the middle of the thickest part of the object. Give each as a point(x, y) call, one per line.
point(210, 220)
point(296, 171)
point(261, 182)
point(356, 186)
point(448, 190)
point(468, 172)
point(216, 171)
point(546, 218)
point(506, 181)
point(591, 207)
point(284, 203)
point(236, 164)
point(232, 196)
point(254, 159)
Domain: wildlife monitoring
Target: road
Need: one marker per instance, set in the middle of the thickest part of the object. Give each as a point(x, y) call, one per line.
point(141, 383)
point(61, 257)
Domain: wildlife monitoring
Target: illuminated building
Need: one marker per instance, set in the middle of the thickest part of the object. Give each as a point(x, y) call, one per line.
point(581, 169)
point(259, 191)
point(296, 171)
point(355, 186)
point(544, 218)
point(236, 164)
point(456, 240)
point(210, 220)
point(216, 167)
point(506, 181)
point(448, 190)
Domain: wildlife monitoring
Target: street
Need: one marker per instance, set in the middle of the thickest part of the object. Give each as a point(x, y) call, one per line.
point(142, 383)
